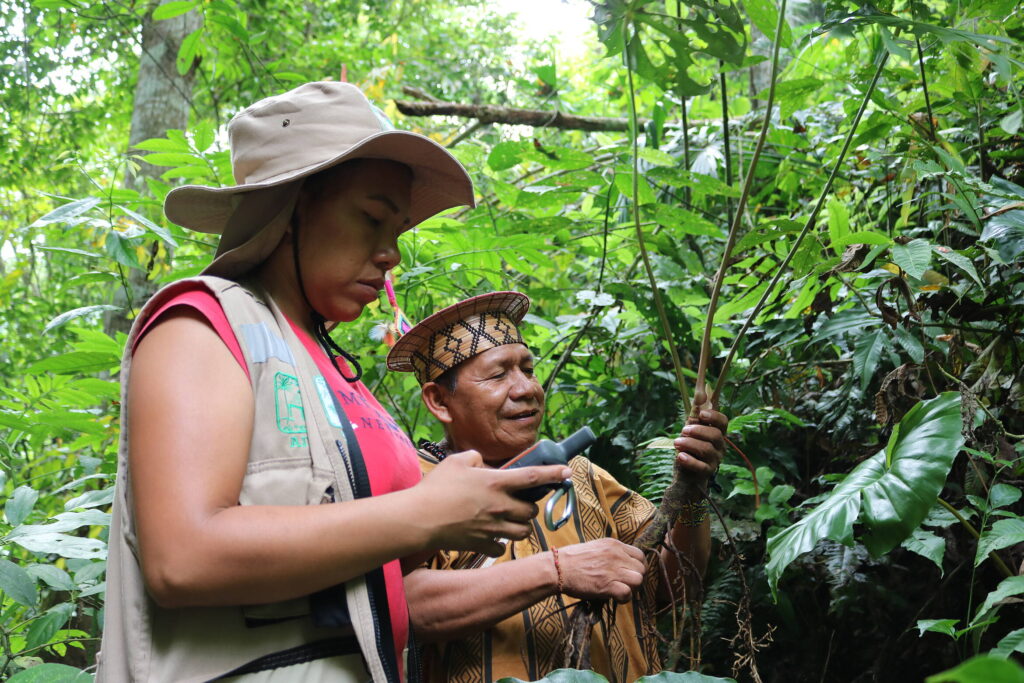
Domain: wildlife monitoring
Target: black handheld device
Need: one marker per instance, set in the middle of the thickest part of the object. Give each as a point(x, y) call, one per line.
point(547, 452)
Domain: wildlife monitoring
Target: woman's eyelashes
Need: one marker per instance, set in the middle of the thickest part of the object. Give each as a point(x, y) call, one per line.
point(372, 220)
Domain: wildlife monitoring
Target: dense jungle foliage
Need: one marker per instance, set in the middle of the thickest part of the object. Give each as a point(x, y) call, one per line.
point(871, 524)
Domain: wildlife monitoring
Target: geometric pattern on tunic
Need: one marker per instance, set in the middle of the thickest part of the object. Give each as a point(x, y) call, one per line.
point(603, 508)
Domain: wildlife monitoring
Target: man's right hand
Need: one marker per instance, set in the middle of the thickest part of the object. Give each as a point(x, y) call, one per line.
point(469, 506)
point(605, 568)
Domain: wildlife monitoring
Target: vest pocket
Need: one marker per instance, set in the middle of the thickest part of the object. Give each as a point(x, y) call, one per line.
point(286, 481)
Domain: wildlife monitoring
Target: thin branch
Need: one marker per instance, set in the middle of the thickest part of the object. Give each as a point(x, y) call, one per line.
point(723, 375)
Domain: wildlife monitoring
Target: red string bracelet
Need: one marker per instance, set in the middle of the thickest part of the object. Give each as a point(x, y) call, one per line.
point(558, 569)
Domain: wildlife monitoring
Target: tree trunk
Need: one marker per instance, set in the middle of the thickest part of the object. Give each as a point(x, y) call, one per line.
point(162, 101)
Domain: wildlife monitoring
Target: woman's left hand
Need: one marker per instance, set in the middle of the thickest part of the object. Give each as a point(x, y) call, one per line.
point(701, 446)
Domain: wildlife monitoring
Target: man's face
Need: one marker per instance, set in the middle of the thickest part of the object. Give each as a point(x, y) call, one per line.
point(497, 405)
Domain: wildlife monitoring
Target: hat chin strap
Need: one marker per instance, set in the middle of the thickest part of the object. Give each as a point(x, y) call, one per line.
point(329, 346)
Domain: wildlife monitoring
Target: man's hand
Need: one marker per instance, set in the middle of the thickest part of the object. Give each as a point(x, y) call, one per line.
point(605, 568)
point(700, 447)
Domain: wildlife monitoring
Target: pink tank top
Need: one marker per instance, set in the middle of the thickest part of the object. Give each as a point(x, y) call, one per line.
point(391, 460)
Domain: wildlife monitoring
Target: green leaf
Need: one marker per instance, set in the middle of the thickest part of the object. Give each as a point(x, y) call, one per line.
point(838, 224)
point(169, 10)
point(78, 313)
point(863, 237)
point(915, 257)
point(203, 135)
point(657, 157)
point(1011, 642)
point(68, 250)
point(51, 673)
point(43, 629)
point(20, 504)
point(1003, 495)
point(910, 343)
point(960, 261)
point(63, 545)
point(896, 496)
point(1007, 232)
point(65, 521)
point(781, 494)
point(163, 145)
point(981, 669)
point(91, 499)
point(927, 545)
point(74, 362)
point(63, 214)
point(1011, 122)
point(158, 230)
point(55, 577)
point(1008, 587)
point(765, 16)
point(685, 677)
point(564, 676)
point(17, 584)
point(947, 626)
point(866, 354)
point(1002, 534)
point(505, 155)
point(679, 220)
point(187, 51)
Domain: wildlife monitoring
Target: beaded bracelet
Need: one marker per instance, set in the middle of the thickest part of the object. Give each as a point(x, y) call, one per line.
point(558, 569)
point(693, 514)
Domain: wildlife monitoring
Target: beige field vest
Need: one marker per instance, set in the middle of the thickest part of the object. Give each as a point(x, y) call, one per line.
point(298, 456)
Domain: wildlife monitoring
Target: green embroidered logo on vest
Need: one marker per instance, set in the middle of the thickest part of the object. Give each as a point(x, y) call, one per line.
point(291, 418)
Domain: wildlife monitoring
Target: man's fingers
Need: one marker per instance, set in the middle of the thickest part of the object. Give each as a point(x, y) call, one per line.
point(711, 435)
point(634, 553)
point(715, 419)
point(526, 477)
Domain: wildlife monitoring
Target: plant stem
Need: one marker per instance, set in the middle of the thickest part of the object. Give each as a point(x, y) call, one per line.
point(725, 137)
point(666, 329)
point(684, 123)
point(723, 375)
point(924, 86)
point(716, 289)
point(974, 532)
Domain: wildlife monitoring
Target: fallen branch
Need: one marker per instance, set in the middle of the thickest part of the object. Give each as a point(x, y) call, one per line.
point(492, 113)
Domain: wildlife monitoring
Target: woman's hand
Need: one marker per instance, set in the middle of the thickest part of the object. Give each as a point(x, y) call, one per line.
point(701, 446)
point(468, 506)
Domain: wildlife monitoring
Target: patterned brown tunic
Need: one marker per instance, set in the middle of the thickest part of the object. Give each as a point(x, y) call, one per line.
point(531, 644)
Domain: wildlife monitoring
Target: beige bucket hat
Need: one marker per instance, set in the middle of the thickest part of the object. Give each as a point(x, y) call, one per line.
point(280, 140)
point(455, 334)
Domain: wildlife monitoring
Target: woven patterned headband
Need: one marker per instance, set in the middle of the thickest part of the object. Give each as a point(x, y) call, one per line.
point(455, 334)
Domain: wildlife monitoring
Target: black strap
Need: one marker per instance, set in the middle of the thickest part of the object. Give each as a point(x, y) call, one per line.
point(329, 606)
point(321, 649)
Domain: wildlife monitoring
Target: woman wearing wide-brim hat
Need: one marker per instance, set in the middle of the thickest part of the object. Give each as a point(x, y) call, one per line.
point(265, 499)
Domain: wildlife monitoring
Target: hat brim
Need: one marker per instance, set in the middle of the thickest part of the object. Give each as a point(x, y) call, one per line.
point(439, 182)
point(513, 304)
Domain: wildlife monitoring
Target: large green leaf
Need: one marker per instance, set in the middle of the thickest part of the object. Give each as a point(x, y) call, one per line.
point(685, 677)
point(889, 495)
point(17, 584)
point(981, 669)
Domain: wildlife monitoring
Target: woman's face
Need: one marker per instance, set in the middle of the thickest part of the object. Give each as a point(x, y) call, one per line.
point(348, 226)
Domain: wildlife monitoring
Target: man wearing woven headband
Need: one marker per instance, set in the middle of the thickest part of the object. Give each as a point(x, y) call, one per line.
point(489, 618)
